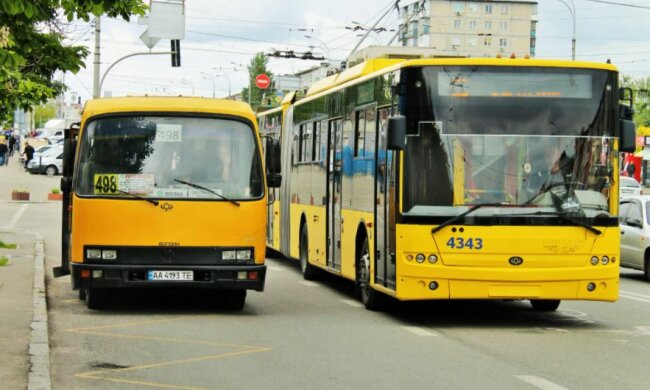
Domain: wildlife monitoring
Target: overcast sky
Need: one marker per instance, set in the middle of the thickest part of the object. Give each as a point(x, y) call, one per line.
point(222, 36)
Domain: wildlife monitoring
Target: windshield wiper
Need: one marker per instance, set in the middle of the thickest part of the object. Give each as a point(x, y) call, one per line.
point(563, 216)
point(152, 201)
point(208, 190)
point(469, 211)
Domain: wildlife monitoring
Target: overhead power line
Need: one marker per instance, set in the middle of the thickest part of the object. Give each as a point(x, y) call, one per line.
point(621, 4)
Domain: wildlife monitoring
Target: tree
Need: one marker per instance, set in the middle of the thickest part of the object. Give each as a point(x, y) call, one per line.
point(641, 89)
point(257, 66)
point(43, 113)
point(32, 46)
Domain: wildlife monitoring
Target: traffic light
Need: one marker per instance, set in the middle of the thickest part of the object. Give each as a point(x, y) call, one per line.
point(176, 53)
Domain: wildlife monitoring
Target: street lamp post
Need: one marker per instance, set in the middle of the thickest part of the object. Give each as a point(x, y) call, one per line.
point(208, 76)
point(572, 11)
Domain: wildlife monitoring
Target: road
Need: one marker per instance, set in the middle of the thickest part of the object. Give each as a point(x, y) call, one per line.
point(315, 335)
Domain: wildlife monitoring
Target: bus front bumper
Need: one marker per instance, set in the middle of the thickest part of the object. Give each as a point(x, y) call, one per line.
point(234, 277)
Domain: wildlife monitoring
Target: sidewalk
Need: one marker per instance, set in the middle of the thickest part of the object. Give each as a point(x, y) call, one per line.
point(24, 343)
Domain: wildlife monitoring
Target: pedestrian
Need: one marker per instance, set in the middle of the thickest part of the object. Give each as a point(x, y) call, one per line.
point(12, 144)
point(4, 153)
point(29, 153)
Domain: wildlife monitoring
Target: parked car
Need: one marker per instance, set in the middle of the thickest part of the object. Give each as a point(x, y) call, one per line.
point(629, 186)
point(49, 163)
point(634, 218)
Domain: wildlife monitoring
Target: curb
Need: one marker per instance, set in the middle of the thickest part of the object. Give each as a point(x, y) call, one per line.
point(39, 345)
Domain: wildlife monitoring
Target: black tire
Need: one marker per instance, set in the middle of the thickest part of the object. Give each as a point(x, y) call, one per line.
point(371, 298)
point(95, 298)
point(545, 304)
point(646, 267)
point(82, 293)
point(309, 272)
point(233, 300)
point(51, 170)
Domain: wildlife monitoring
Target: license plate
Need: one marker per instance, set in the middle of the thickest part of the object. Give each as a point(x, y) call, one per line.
point(170, 275)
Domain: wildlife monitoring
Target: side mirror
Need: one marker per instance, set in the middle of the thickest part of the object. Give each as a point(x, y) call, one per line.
point(274, 180)
point(66, 184)
point(627, 137)
point(396, 133)
point(634, 222)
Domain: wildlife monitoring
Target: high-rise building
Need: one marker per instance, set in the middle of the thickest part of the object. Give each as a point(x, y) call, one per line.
point(470, 28)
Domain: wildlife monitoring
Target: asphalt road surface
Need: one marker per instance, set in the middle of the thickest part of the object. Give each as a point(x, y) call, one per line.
point(315, 335)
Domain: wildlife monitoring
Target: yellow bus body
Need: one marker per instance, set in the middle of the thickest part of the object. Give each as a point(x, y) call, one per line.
point(175, 224)
point(540, 263)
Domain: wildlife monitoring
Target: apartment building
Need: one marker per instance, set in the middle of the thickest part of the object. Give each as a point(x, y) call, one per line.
point(471, 28)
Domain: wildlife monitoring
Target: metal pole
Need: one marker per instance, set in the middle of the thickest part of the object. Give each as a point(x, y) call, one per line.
point(146, 53)
point(96, 84)
point(572, 11)
point(347, 60)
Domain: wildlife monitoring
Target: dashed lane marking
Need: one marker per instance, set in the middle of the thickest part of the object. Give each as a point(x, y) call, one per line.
point(416, 330)
point(540, 383)
point(634, 296)
point(352, 303)
point(16, 217)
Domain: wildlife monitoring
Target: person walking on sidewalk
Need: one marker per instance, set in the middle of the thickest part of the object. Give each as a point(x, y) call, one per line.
point(29, 153)
point(12, 145)
point(4, 153)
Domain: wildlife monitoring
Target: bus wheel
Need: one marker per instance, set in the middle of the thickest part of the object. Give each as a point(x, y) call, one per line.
point(95, 298)
point(545, 304)
point(369, 297)
point(308, 270)
point(233, 300)
point(82, 293)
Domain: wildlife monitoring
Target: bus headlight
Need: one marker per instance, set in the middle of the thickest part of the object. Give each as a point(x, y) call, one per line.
point(110, 254)
point(605, 260)
point(594, 260)
point(419, 258)
point(229, 255)
point(94, 253)
point(433, 259)
point(244, 254)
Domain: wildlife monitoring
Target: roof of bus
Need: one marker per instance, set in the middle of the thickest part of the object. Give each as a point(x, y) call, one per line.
point(376, 65)
point(167, 104)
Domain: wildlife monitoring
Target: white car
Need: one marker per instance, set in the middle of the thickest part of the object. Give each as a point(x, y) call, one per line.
point(50, 162)
point(629, 186)
point(634, 218)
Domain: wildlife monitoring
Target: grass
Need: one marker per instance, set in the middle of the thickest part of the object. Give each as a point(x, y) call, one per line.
point(7, 246)
point(3, 261)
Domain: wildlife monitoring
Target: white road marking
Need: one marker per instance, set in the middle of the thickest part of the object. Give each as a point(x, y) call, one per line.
point(634, 296)
point(274, 268)
point(352, 303)
point(308, 283)
point(16, 217)
point(540, 383)
point(419, 331)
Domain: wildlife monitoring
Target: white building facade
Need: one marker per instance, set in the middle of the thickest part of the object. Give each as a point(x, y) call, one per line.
point(471, 28)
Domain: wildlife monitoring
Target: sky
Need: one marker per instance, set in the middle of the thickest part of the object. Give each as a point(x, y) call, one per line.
point(221, 37)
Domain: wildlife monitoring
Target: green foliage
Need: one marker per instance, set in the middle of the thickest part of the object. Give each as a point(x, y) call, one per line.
point(641, 88)
point(7, 246)
point(3, 261)
point(55, 191)
point(32, 46)
point(257, 66)
point(44, 113)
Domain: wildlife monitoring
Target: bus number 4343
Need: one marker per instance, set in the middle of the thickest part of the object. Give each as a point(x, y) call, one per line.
point(462, 243)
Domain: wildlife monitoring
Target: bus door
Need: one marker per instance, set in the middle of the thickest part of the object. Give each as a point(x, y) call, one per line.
point(334, 181)
point(384, 193)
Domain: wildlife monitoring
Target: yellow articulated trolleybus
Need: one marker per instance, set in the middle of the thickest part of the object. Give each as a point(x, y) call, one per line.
point(457, 179)
point(164, 192)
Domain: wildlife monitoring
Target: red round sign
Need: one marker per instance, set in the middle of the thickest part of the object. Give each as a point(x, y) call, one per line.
point(262, 81)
